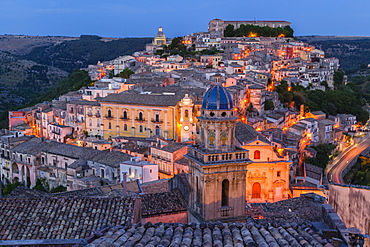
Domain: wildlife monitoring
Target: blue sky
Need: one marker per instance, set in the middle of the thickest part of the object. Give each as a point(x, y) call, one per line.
point(141, 18)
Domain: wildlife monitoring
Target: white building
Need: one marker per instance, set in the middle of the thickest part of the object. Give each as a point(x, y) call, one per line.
point(139, 169)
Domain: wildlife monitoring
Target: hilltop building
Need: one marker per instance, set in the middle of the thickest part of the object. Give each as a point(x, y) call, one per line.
point(219, 25)
point(158, 41)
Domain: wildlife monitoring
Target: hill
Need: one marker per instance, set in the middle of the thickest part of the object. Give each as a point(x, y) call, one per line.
point(88, 49)
point(32, 65)
point(353, 51)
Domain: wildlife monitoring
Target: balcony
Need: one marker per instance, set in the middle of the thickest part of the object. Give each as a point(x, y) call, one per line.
point(97, 114)
point(140, 119)
point(89, 114)
point(108, 117)
point(156, 121)
point(124, 119)
point(225, 211)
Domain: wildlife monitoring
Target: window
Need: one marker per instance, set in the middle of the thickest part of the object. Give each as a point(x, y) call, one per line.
point(65, 165)
point(102, 172)
point(257, 155)
point(140, 128)
point(124, 114)
point(157, 131)
point(256, 190)
point(186, 114)
point(141, 116)
point(109, 113)
point(157, 117)
point(125, 127)
point(225, 193)
point(278, 174)
point(43, 160)
point(110, 125)
point(90, 123)
point(198, 191)
point(98, 123)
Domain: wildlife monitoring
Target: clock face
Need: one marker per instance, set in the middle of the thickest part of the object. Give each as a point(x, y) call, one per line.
point(186, 127)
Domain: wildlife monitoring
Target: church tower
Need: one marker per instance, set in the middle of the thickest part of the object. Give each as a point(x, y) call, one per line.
point(217, 168)
point(187, 127)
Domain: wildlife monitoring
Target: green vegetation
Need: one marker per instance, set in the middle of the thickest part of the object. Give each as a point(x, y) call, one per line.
point(257, 31)
point(178, 48)
point(322, 155)
point(41, 185)
point(269, 105)
point(10, 187)
point(57, 189)
point(88, 49)
point(360, 172)
point(76, 80)
point(346, 99)
point(126, 73)
point(352, 52)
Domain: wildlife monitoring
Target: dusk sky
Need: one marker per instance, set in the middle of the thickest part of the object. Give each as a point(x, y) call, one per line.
point(141, 18)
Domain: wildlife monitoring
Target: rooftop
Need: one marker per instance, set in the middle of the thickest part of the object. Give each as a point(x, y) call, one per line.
point(61, 217)
point(212, 234)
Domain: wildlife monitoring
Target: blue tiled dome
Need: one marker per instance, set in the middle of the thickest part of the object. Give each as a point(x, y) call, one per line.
point(217, 98)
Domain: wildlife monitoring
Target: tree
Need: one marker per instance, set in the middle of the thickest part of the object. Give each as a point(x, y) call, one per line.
point(338, 78)
point(57, 189)
point(42, 185)
point(126, 73)
point(229, 31)
point(269, 105)
point(10, 187)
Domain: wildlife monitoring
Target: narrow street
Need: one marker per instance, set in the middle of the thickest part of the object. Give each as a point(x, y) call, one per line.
point(340, 163)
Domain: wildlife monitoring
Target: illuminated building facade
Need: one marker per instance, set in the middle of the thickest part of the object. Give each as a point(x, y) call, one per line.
point(217, 168)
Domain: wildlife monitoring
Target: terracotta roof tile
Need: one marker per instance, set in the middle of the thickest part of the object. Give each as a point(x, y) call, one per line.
point(212, 234)
point(162, 203)
point(156, 186)
point(61, 218)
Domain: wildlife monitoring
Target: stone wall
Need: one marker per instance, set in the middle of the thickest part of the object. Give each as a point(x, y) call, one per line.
point(352, 205)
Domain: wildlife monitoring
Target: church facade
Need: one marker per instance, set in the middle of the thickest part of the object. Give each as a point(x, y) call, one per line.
point(222, 174)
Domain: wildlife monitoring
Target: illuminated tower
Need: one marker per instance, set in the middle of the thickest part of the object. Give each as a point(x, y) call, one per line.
point(217, 168)
point(187, 127)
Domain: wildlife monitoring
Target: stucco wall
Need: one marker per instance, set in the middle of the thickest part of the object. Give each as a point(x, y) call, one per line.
point(352, 205)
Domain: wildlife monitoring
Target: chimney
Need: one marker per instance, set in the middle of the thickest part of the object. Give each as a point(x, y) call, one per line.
point(124, 183)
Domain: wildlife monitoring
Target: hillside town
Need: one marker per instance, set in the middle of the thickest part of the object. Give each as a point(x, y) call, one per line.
point(195, 149)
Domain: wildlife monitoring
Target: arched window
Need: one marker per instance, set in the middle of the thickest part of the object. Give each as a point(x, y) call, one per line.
point(198, 191)
point(256, 190)
point(186, 114)
point(141, 128)
point(15, 168)
point(110, 125)
point(109, 113)
point(157, 131)
point(124, 114)
point(141, 116)
point(125, 127)
point(257, 155)
point(225, 193)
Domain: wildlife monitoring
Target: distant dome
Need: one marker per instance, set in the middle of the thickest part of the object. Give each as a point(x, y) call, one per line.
point(160, 33)
point(217, 98)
